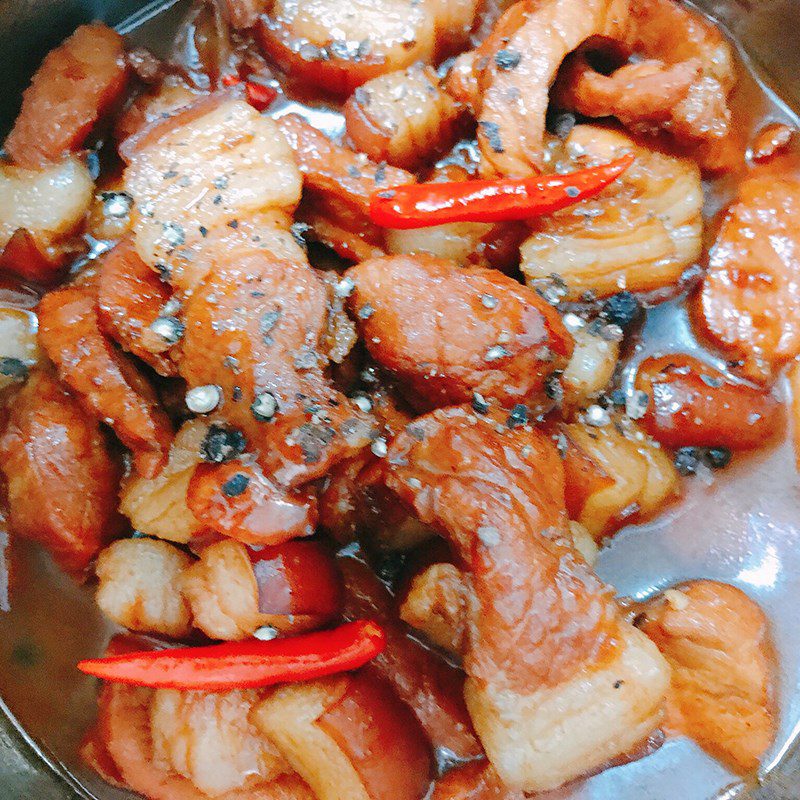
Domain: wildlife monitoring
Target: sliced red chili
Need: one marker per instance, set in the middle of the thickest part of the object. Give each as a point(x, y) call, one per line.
point(420, 205)
point(259, 95)
point(245, 665)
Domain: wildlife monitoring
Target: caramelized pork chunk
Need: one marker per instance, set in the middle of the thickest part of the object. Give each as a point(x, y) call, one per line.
point(61, 480)
point(614, 477)
point(338, 184)
point(349, 737)
point(239, 500)
point(431, 687)
point(337, 48)
point(717, 642)
point(222, 592)
point(139, 587)
point(556, 682)
point(94, 753)
point(299, 585)
point(676, 33)
point(448, 333)
point(131, 297)
point(40, 210)
point(253, 328)
point(75, 86)
point(679, 82)
point(641, 95)
point(170, 745)
point(455, 241)
point(215, 163)
point(750, 297)
point(162, 101)
point(403, 118)
point(265, 233)
point(639, 234)
point(692, 404)
point(209, 740)
point(436, 605)
point(157, 506)
point(591, 366)
point(105, 381)
point(352, 500)
point(507, 79)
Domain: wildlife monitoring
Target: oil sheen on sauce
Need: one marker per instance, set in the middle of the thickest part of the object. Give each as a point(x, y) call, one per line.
point(740, 526)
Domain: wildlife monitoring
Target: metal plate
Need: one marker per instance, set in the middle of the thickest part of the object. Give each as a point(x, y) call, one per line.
point(749, 534)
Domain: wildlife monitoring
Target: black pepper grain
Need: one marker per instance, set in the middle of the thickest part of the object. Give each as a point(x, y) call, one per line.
point(235, 485)
point(313, 439)
point(687, 459)
point(391, 566)
point(518, 416)
point(267, 323)
point(170, 329)
point(222, 444)
point(622, 309)
point(491, 131)
point(13, 368)
point(560, 123)
point(617, 397)
point(264, 407)
point(507, 59)
point(718, 457)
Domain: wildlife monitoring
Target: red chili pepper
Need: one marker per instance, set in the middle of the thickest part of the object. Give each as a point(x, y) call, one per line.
point(420, 205)
point(245, 665)
point(259, 95)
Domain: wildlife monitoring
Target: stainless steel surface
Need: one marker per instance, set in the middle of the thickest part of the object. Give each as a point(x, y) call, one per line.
point(745, 529)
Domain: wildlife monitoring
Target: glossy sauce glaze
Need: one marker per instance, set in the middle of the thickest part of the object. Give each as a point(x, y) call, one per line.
point(739, 526)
